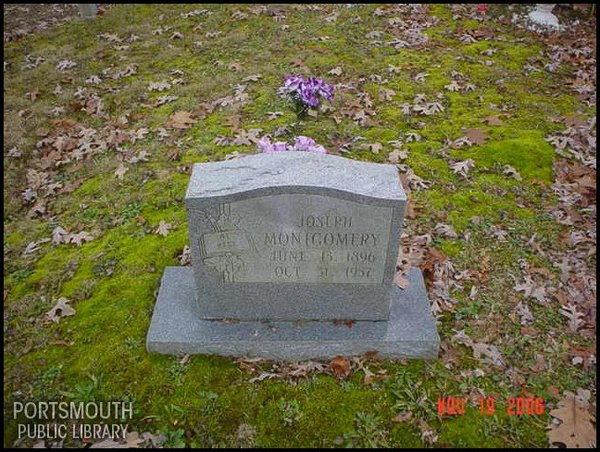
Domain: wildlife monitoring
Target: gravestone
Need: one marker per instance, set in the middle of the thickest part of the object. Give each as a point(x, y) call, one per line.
point(88, 10)
point(542, 15)
point(293, 257)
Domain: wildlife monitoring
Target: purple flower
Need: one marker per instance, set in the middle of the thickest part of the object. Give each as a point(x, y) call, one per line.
point(280, 146)
point(301, 143)
point(264, 145)
point(318, 149)
point(292, 83)
point(307, 90)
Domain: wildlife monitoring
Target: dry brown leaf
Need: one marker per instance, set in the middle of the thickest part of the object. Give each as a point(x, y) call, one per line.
point(402, 416)
point(385, 94)
point(576, 429)
point(61, 309)
point(203, 110)
point(510, 171)
point(340, 367)
point(427, 433)
point(575, 121)
point(374, 147)
point(488, 353)
point(79, 238)
point(445, 230)
point(181, 120)
point(34, 246)
point(400, 281)
point(553, 391)
point(462, 167)
point(494, 121)
point(476, 136)
point(396, 155)
point(539, 365)
point(433, 256)
point(185, 256)
point(59, 235)
point(184, 359)
point(121, 170)
point(163, 228)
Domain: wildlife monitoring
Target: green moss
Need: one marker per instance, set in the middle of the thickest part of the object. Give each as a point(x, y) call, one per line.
point(450, 248)
point(525, 150)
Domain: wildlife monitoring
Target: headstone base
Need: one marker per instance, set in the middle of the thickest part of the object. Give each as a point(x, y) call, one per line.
point(177, 328)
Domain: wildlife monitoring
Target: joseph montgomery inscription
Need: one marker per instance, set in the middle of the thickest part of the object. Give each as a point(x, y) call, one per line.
point(296, 239)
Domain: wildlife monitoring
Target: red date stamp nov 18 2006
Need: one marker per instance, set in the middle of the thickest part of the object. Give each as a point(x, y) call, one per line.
point(513, 406)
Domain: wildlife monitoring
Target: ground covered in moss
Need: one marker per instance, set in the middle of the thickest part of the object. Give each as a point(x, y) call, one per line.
point(491, 125)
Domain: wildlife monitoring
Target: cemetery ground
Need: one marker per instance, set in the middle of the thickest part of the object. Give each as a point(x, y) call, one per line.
point(492, 127)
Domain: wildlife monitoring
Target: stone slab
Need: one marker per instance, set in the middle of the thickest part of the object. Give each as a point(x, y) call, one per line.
point(304, 236)
point(177, 328)
point(325, 173)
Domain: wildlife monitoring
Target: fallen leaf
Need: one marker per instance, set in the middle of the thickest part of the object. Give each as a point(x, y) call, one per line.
point(531, 289)
point(61, 309)
point(14, 152)
point(576, 429)
point(553, 391)
point(427, 433)
point(374, 147)
point(396, 155)
point(385, 94)
point(64, 65)
point(489, 353)
point(184, 359)
point(445, 230)
point(453, 86)
point(401, 281)
point(494, 121)
point(402, 416)
point(59, 235)
point(79, 238)
point(575, 318)
point(432, 257)
point(340, 367)
point(335, 71)
point(510, 171)
point(33, 246)
point(525, 314)
point(575, 121)
point(462, 167)
point(252, 78)
point(181, 120)
point(121, 170)
point(159, 86)
point(476, 136)
point(539, 365)
point(235, 66)
point(163, 228)
point(185, 256)
point(271, 115)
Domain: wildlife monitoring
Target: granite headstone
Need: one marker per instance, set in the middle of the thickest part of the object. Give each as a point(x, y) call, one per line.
point(285, 247)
